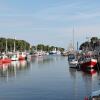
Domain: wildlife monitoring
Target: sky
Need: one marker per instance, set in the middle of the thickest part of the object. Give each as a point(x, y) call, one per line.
point(50, 22)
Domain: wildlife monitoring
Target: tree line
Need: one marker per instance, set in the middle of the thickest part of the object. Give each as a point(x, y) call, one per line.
point(20, 45)
point(91, 44)
point(46, 48)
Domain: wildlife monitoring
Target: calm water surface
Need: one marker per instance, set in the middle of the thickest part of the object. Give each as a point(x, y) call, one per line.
point(45, 78)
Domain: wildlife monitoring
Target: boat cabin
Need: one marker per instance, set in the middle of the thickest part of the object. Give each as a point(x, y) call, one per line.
point(71, 57)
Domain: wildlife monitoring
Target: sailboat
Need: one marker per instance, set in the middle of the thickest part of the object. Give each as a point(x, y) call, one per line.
point(3, 57)
point(72, 59)
point(14, 56)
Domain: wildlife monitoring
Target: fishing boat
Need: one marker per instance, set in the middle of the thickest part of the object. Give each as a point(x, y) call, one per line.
point(88, 64)
point(21, 55)
point(4, 59)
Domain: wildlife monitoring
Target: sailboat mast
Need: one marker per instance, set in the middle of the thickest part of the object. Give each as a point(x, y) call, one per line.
point(73, 37)
point(14, 44)
point(6, 46)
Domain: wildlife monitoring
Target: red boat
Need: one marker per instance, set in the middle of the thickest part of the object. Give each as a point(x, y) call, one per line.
point(22, 56)
point(88, 65)
point(4, 59)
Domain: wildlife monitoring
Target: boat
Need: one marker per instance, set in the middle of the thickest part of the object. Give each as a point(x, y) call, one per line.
point(38, 54)
point(55, 52)
point(94, 96)
point(88, 64)
point(71, 57)
point(28, 57)
point(4, 59)
point(58, 52)
point(73, 63)
point(65, 53)
point(14, 57)
point(21, 55)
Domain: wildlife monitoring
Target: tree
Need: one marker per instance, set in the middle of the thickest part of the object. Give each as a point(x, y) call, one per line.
point(21, 45)
point(90, 45)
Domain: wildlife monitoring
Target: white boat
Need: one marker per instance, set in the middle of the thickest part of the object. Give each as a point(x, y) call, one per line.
point(55, 52)
point(73, 63)
point(14, 57)
point(71, 57)
point(38, 54)
point(58, 52)
point(28, 57)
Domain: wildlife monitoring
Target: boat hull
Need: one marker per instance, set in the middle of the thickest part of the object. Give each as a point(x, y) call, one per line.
point(89, 66)
point(21, 58)
point(5, 60)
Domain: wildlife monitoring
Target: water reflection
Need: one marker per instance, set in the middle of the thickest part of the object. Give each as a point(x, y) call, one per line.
point(42, 59)
point(46, 78)
point(11, 69)
point(83, 83)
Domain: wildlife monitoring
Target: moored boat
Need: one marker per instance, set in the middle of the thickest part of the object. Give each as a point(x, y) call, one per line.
point(65, 53)
point(71, 57)
point(14, 57)
point(22, 56)
point(88, 64)
point(38, 54)
point(55, 52)
point(72, 60)
point(4, 59)
point(73, 63)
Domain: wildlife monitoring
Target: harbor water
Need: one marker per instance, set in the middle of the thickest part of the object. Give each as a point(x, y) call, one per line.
point(45, 78)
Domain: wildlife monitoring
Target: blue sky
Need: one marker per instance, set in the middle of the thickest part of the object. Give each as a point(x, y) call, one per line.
point(50, 21)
